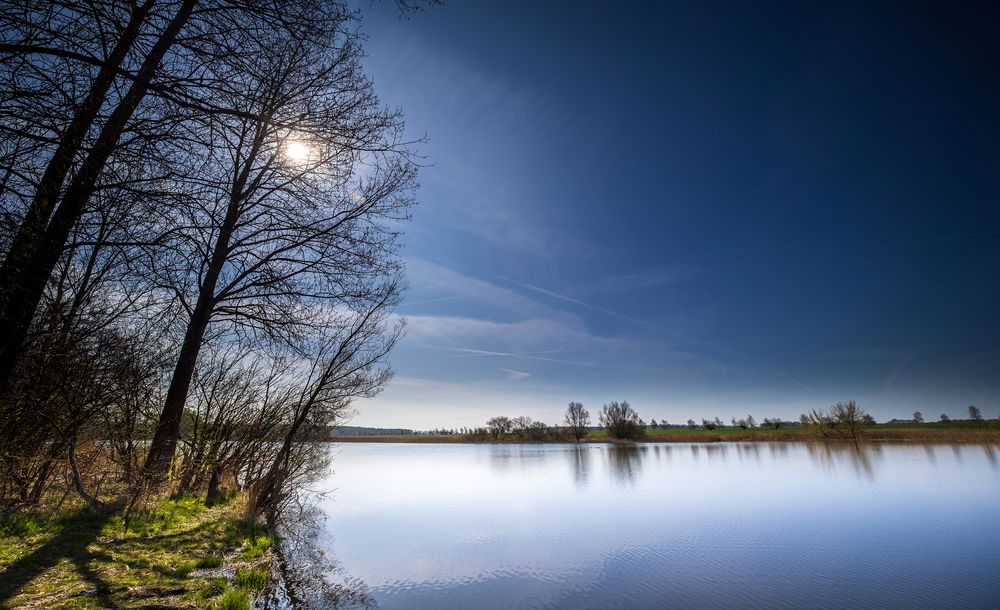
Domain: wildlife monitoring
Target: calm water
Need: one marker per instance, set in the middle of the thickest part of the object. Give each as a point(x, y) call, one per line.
point(748, 525)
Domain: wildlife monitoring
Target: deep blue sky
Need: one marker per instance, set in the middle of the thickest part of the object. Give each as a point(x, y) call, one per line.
point(703, 208)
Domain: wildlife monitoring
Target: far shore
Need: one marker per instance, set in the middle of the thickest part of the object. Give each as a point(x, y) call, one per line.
point(952, 432)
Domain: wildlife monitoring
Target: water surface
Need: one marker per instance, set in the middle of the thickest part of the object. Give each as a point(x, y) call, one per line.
point(684, 525)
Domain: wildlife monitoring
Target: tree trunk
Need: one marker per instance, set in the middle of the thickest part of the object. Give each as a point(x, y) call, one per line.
point(161, 450)
point(213, 487)
point(27, 269)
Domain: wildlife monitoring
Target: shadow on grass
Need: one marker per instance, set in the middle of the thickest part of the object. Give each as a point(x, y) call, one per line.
point(74, 534)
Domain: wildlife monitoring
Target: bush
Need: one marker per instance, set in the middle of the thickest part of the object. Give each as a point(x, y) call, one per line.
point(621, 421)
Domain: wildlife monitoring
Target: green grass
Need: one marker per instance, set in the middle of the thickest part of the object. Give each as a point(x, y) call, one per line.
point(209, 562)
point(233, 599)
point(251, 579)
point(86, 559)
point(256, 547)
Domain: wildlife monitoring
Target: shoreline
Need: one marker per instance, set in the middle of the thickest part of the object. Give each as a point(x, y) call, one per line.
point(983, 435)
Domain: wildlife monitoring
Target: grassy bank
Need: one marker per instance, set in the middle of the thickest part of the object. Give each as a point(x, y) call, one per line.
point(936, 432)
point(180, 554)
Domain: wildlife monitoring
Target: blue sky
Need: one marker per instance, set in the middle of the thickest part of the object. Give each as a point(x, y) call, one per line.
point(707, 209)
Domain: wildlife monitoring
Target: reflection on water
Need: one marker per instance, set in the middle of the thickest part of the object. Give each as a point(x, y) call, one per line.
point(682, 525)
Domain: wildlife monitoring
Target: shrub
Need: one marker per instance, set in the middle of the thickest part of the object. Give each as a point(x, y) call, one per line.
point(621, 421)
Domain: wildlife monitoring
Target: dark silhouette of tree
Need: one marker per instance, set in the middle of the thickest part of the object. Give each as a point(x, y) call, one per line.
point(751, 421)
point(577, 419)
point(498, 426)
point(945, 418)
point(537, 431)
point(773, 422)
point(975, 414)
point(279, 227)
point(520, 425)
point(691, 424)
point(845, 420)
point(918, 417)
point(708, 424)
point(621, 421)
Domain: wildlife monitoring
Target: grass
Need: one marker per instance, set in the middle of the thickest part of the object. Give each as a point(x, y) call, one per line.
point(169, 556)
point(233, 599)
point(251, 579)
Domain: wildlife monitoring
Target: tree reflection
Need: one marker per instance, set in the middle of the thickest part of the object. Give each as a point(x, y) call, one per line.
point(625, 462)
point(579, 458)
point(857, 455)
point(307, 576)
point(991, 455)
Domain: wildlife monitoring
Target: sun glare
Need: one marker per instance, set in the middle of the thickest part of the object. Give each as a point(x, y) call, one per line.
point(297, 151)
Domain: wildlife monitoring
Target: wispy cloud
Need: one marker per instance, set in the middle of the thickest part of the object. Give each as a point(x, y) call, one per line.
point(516, 375)
point(583, 304)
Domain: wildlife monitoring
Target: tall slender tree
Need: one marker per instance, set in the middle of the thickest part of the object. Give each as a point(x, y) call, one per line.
point(291, 203)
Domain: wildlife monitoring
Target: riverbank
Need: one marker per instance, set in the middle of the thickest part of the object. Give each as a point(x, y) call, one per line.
point(180, 554)
point(937, 432)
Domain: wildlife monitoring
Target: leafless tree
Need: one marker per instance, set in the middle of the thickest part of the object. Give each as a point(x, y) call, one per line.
point(918, 417)
point(520, 425)
point(975, 414)
point(293, 204)
point(349, 363)
point(82, 86)
point(577, 419)
point(621, 420)
point(849, 417)
point(498, 426)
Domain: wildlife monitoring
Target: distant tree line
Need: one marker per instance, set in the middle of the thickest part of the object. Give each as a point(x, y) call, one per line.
point(619, 420)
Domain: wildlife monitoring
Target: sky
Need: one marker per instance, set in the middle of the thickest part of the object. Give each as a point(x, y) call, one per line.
point(704, 208)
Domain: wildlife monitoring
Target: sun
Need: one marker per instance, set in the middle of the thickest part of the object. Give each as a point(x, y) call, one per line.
point(297, 151)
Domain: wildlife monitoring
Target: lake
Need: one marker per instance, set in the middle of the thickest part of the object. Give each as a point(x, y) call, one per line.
point(762, 525)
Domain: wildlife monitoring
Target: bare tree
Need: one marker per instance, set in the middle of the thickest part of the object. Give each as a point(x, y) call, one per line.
point(850, 417)
point(773, 422)
point(975, 414)
point(348, 364)
point(292, 205)
point(845, 420)
point(945, 418)
point(822, 423)
point(57, 197)
point(498, 426)
point(918, 417)
point(577, 419)
point(621, 421)
point(83, 84)
point(520, 425)
point(538, 431)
